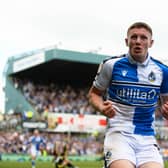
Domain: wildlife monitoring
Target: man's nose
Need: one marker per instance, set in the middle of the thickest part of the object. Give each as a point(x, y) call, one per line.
point(138, 39)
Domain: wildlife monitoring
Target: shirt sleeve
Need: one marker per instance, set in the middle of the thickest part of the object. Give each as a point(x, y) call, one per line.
point(104, 74)
point(164, 85)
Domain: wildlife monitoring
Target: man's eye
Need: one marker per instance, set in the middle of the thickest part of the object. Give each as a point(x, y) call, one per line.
point(143, 37)
point(134, 37)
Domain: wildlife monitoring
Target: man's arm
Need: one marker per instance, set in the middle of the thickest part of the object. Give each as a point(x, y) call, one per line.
point(164, 106)
point(96, 100)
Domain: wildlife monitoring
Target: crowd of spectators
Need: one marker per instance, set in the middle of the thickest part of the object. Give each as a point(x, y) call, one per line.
point(61, 98)
point(52, 97)
point(11, 121)
point(78, 144)
point(17, 143)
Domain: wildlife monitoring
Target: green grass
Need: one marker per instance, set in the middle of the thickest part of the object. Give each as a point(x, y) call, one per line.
point(80, 164)
point(166, 164)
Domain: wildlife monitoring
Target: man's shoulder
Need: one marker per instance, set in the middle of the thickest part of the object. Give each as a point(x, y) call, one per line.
point(114, 58)
point(159, 63)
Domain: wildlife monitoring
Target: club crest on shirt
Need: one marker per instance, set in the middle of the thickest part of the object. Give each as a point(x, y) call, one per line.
point(152, 76)
point(124, 73)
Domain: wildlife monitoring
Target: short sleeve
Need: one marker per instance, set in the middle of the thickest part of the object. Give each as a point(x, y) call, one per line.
point(164, 85)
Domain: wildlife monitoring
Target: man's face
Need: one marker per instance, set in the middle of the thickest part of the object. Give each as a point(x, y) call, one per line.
point(36, 132)
point(139, 40)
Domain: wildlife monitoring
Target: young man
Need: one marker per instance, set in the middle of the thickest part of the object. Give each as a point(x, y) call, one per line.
point(132, 83)
point(35, 141)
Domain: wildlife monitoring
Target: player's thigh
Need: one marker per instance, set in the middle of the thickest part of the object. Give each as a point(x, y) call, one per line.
point(33, 153)
point(122, 164)
point(151, 165)
point(117, 149)
point(149, 156)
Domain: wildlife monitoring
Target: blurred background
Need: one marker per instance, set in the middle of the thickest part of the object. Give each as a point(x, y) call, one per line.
point(50, 52)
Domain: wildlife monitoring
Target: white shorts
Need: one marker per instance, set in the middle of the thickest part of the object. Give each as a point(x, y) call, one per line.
point(136, 148)
point(34, 152)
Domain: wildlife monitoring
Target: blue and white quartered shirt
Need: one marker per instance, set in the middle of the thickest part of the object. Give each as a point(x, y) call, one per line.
point(134, 89)
point(36, 141)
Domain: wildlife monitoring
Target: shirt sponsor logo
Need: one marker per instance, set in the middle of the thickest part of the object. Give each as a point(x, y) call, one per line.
point(136, 93)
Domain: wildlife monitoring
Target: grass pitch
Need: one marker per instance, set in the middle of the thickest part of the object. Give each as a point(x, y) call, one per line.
point(80, 164)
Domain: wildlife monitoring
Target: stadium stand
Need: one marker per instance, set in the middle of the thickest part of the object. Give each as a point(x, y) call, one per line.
point(16, 143)
point(45, 67)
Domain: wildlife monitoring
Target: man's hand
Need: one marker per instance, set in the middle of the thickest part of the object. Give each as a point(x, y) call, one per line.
point(107, 109)
point(164, 110)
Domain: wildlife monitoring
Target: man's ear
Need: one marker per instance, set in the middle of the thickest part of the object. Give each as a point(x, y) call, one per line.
point(151, 43)
point(126, 41)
